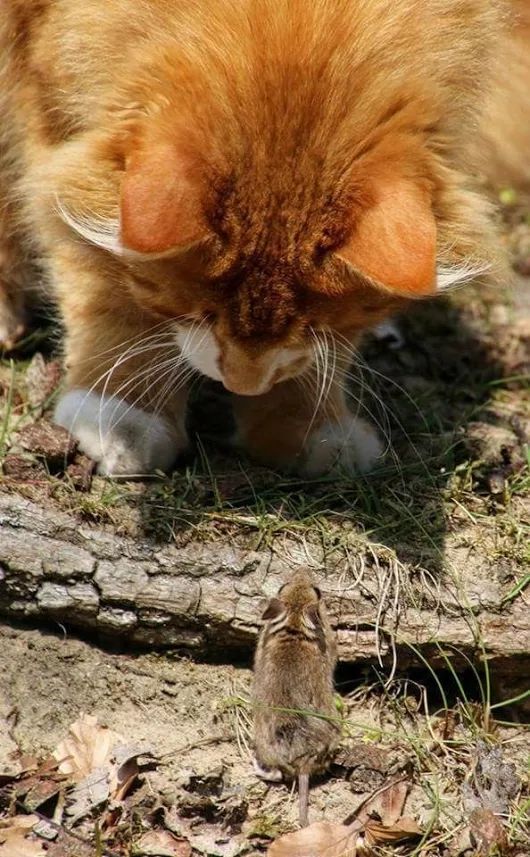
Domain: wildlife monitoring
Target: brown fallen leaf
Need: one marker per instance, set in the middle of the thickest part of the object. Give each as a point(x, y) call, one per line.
point(88, 746)
point(161, 843)
point(386, 802)
point(38, 784)
point(389, 804)
point(16, 839)
point(376, 833)
point(41, 791)
point(321, 839)
point(487, 832)
point(99, 762)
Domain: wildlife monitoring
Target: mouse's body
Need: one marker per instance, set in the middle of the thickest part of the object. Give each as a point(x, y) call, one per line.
point(293, 676)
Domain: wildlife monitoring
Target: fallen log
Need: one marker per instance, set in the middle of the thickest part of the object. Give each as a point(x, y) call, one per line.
point(206, 597)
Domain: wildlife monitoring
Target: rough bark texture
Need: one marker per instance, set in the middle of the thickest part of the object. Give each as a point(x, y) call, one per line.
point(207, 596)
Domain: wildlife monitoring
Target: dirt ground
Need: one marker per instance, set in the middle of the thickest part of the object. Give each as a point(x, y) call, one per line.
point(454, 399)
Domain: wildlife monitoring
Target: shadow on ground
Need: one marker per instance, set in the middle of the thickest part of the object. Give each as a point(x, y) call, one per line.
point(422, 395)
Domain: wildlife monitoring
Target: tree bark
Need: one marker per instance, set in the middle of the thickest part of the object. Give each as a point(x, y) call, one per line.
point(207, 597)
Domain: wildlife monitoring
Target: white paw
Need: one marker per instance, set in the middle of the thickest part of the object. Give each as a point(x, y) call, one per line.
point(270, 775)
point(349, 447)
point(125, 440)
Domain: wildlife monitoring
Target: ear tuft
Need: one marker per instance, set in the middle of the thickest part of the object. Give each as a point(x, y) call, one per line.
point(394, 239)
point(160, 204)
point(273, 610)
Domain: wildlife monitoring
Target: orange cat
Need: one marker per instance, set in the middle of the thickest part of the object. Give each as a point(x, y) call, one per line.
point(238, 188)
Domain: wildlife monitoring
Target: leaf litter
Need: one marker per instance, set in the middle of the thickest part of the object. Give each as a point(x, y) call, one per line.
point(91, 769)
point(16, 838)
point(378, 821)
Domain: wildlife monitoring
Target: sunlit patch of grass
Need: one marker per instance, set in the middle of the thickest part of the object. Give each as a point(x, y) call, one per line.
point(442, 745)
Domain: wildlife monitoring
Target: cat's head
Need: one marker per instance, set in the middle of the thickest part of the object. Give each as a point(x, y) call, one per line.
point(272, 190)
point(256, 270)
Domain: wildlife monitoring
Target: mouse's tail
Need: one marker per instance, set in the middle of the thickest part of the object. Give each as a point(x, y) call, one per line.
point(303, 798)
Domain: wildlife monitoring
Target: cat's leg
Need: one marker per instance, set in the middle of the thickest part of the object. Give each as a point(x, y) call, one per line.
point(122, 402)
point(291, 429)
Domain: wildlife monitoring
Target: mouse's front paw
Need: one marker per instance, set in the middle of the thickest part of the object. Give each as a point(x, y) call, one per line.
point(350, 446)
point(123, 439)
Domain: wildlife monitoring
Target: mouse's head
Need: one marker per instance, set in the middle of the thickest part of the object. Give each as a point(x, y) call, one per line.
point(297, 606)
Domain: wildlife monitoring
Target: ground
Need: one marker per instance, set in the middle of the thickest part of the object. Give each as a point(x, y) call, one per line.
point(453, 402)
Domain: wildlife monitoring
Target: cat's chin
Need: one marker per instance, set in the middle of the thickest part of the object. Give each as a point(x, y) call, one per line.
point(126, 441)
point(346, 448)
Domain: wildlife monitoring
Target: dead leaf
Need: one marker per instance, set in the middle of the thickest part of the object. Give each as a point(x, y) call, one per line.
point(487, 832)
point(379, 834)
point(391, 802)
point(41, 791)
point(87, 747)
point(16, 837)
point(161, 843)
point(386, 802)
point(101, 765)
point(88, 794)
point(124, 768)
point(322, 839)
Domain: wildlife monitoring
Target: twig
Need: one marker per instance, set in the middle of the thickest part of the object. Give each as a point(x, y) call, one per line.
point(186, 748)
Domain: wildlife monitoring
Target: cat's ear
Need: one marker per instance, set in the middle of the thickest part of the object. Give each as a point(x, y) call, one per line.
point(160, 201)
point(394, 239)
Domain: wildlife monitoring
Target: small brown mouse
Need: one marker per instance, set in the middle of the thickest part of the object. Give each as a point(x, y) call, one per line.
point(293, 676)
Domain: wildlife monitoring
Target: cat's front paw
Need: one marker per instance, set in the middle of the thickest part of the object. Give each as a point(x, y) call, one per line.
point(123, 439)
point(348, 447)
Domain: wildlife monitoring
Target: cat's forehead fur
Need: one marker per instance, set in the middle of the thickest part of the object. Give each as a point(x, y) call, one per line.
point(289, 112)
point(288, 119)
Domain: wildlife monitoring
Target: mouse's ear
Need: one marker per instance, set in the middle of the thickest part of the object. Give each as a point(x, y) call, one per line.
point(311, 617)
point(273, 610)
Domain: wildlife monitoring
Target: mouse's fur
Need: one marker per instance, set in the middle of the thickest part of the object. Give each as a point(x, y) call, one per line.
point(293, 676)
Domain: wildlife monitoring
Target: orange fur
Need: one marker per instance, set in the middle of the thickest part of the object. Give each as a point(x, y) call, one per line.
point(271, 166)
